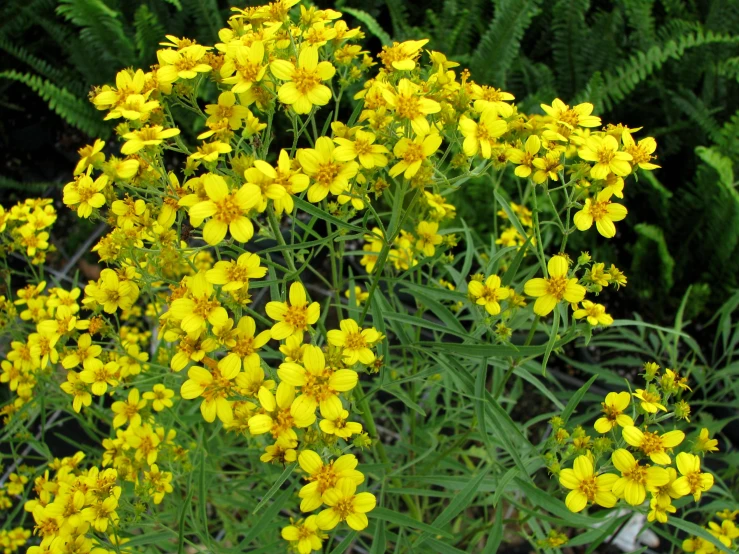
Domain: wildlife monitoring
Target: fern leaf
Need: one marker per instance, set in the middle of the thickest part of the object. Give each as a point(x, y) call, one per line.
point(639, 17)
point(58, 76)
point(75, 111)
point(148, 33)
point(651, 247)
point(500, 43)
point(372, 25)
point(723, 166)
point(36, 188)
point(399, 18)
point(207, 14)
point(698, 112)
point(569, 46)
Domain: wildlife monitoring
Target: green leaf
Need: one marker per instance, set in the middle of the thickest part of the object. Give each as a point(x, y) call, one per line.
point(402, 520)
point(275, 486)
point(553, 505)
point(696, 530)
point(268, 517)
point(439, 310)
point(315, 211)
point(496, 533)
point(576, 398)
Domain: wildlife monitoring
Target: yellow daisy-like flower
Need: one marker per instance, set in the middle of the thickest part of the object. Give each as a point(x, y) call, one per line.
point(90, 155)
point(293, 317)
point(601, 211)
point(128, 411)
point(264, 177)
point(524, 159)
point(215, 388)
point(554, 289)
point(726, 532)
point(587, 487)
point(185, 63)
point(198, 307)
point(329, 174)
point(304, 88)
point(235, 274)
point(650, 401)
point(210, 151)
point(636, 479)
point(428, 237)
point(413, 153)
point(653, 445)
point(246, 345)
point(594, 313)
point(410, 105)
point(547, 167)
point(641, 153)
point(324, 476)
point(319, 385)
point(659, 508)
point(243, 66)
point(577, 116)
point(489, 294)
point(691, 481)
point(361, 147)
point(604, 152)
point(277, 418)
point(160, 396)
point(291, 180)
point(151, 135)
point(226, 209)
point(402, 56)
point(479, 137)
point(101, 377)
point(304, 535)
point(354, 342)
point(698, 545)
point(339, 425)
point(345, 504)
point(78, 389)
point(86, 194)
point(112, 293)
point(704, 443)
point(613, 409)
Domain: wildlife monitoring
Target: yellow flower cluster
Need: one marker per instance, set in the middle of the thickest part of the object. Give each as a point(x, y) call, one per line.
point(726, 532)
point(24, 228)
point(630, 458)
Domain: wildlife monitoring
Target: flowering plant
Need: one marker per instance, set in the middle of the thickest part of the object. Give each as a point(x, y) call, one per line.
point(287, 339)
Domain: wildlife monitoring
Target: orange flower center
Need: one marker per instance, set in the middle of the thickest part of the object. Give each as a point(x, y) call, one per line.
point(556, 287)
point(637, 474)
point(306, 80)
point(414, 153)
point(296, 317)
point(408, 106)
point(203, 306)
point(355, 341)
point(589, 487)
point(325, 477)
point(651, 443)
point(327, 172)
point(599, 209)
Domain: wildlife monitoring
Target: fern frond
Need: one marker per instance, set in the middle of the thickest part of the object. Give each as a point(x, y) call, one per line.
point(500, 43)
point(206, 12)
point(624, 79)
point(372, 25)
point(639, 17)
point(729, 140)
point(58, 76)
point(74, 110)
point(651, 250)
point(100, 28)
point(399, 18)
point(570, 44)
point(6, 183)
point(148, 33)
point(698, 112)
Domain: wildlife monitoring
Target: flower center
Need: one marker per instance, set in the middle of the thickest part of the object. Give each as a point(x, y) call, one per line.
point(355, 341)
point(244, 347)
point(305, 80)
point(651, 444)
point(203, 306)
point(605, 156)
point(408, 106)
point(414, 153)
point(570, 117)
point(296, 316)
point(638, 474)
point(556, 287)
point(599, 210)
point(362, 147)
point(327, 172)
point(589, 487)
point(228, 209)
point(345, 507)
point(325, 477)
point(283, 422)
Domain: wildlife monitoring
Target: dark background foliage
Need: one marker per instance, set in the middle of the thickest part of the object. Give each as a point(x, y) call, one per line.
point(669, 66)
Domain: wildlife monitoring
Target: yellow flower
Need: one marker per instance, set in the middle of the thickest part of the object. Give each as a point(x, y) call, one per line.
point(215, 388)
point(595, 313)
point(641, 153)
point(354, 342)
point(413, 153)
point(101, 513)
point(402, 56)
point(726, 532)
point(557, 287)
point(480, 136)
point(197, 308)
point(360, 295)
point(160, 397)
point(362, 147)
point(650, 401)
point(235, 274)
point(293, 317)
point(601, 211)
point(604, 151)
point(489, 294)
point(90, 155)
point(101, 377)
point(304, 536)
point(667, 491)
point(78, 389)
point(346, 505)
point(659, 508)
point(704, 443)
point(339, 426)
point(692, 481)
point(86, 193)
point(698, 545)
point(282, 451)
point(263, 176)
point(652, 444)
point(319, 385)
point(428, 237)
point(86, 354)
point(227, 210)
point(160, 483)
point(524, 159)
point(579, 115)
point(613, 409)
point(303, 88)
point(547, 167)
point(636, 479)
point(329, 174)
point(243, 67)
point(439, 204)
point(277, 418)
point(585, 486)
point(324, 476)
point(245, 346)
point(410, 105)
point(146, 136)
point(291, 180)
point(210, 151)
point(112, 293)
point(185, 63)
point(128, 411)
